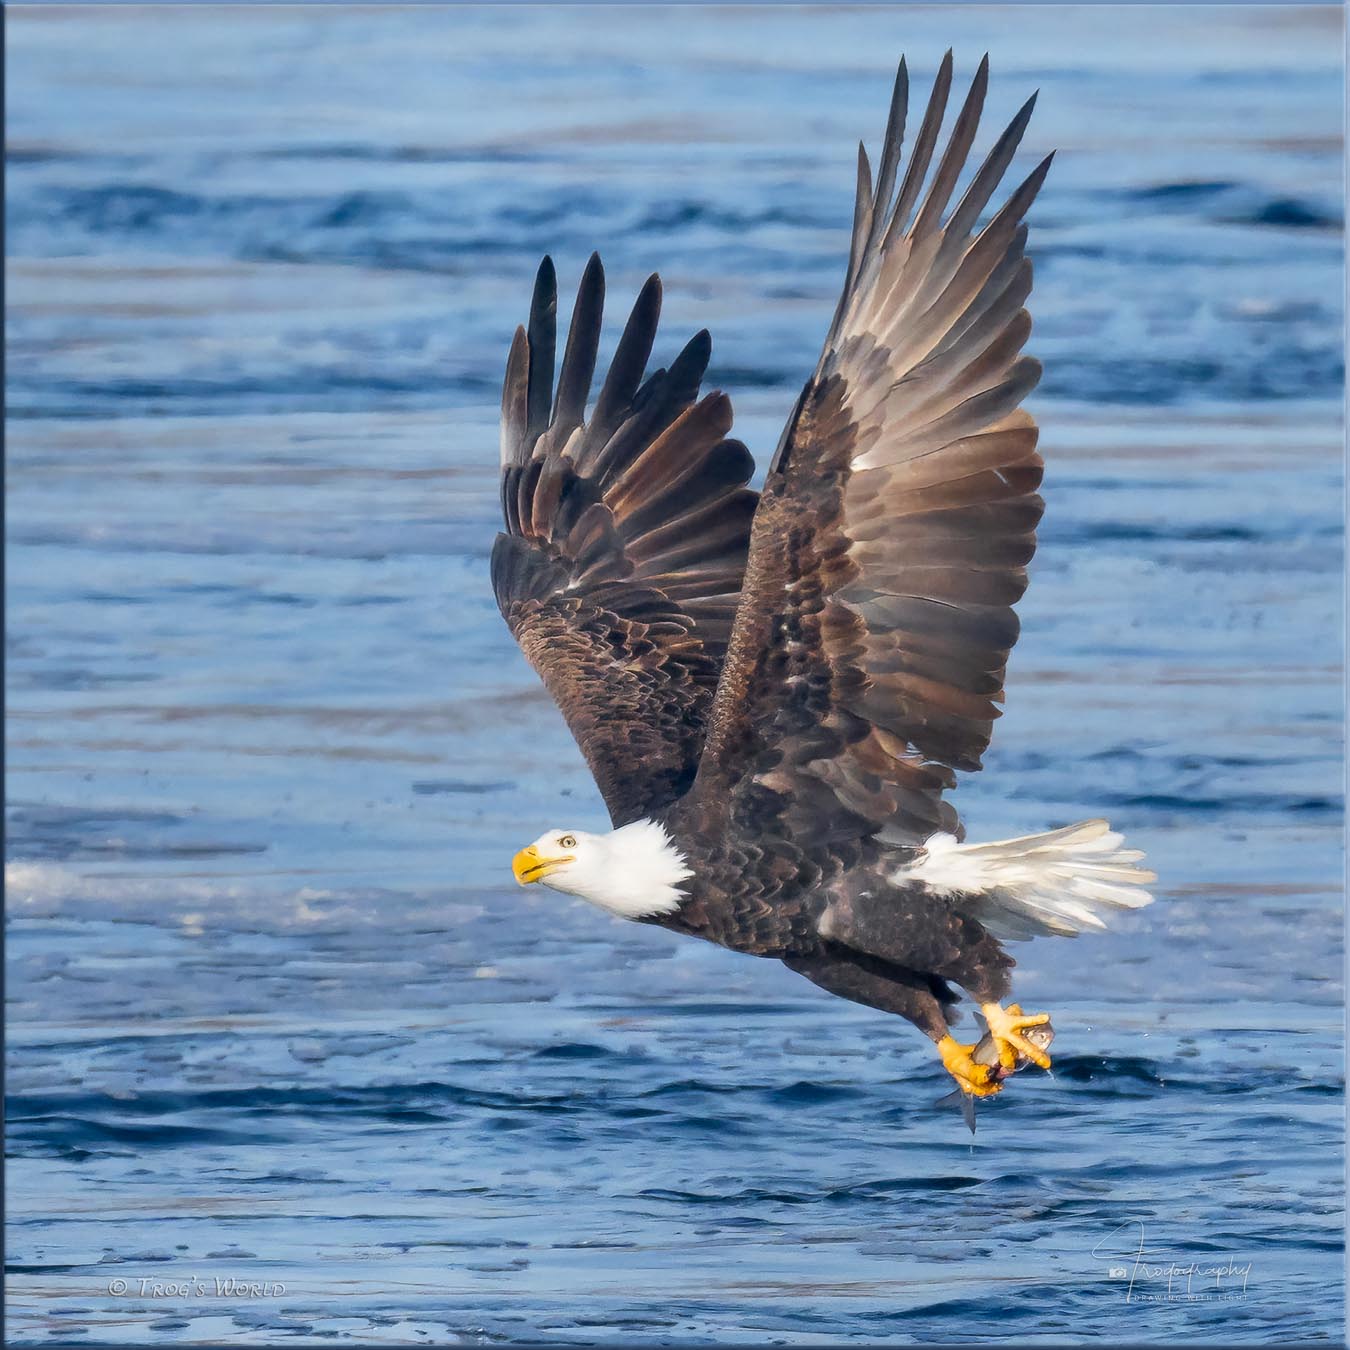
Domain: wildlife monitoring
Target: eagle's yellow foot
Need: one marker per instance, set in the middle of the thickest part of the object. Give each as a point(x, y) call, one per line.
point(1006, 1026)
point(976, 1079)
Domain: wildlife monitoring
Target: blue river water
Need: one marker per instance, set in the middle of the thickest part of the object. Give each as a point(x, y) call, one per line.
point(289, 1055)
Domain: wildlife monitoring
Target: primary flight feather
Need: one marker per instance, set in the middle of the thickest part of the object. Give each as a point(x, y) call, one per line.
point(775, 690)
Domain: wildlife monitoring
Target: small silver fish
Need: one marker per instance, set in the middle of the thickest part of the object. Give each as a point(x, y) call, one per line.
point(987, 1053)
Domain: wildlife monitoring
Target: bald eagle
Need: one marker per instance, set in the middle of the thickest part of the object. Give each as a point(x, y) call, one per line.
point(774, 690)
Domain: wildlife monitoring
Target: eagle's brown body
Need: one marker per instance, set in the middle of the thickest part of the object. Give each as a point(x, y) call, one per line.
point(833, 915)
point(788, 681)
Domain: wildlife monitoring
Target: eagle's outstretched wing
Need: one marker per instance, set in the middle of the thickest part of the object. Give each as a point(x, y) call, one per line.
point(898, 515)
point(625, 543)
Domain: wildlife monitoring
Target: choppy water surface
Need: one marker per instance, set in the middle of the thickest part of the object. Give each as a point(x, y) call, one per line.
point(277, 1013)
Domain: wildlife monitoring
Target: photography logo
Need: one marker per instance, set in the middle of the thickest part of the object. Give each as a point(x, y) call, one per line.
point(1153, 1275)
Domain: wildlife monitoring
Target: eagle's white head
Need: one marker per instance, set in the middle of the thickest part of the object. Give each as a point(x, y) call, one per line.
point(633, 871)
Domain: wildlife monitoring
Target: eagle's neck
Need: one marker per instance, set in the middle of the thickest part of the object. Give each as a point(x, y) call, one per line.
point(638, 874)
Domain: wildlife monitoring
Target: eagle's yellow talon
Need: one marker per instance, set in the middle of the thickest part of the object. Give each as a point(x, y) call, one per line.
point(976, 1079)
point(1006, 1026)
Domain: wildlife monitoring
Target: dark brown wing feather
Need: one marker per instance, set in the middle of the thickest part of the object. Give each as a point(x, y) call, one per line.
point(899, 512)
point(625, 542)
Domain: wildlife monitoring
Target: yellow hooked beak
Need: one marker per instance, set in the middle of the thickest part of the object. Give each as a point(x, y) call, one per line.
point(530, 865)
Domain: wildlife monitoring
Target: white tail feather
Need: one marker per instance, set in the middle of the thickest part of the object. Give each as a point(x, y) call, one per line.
point(1065, 881)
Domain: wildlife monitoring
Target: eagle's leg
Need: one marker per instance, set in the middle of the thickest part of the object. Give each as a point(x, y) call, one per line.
point(918, 931)
point(918, 997)
point(1006, 1025)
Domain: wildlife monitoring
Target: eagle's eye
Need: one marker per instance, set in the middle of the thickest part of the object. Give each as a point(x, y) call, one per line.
point(568, 841)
